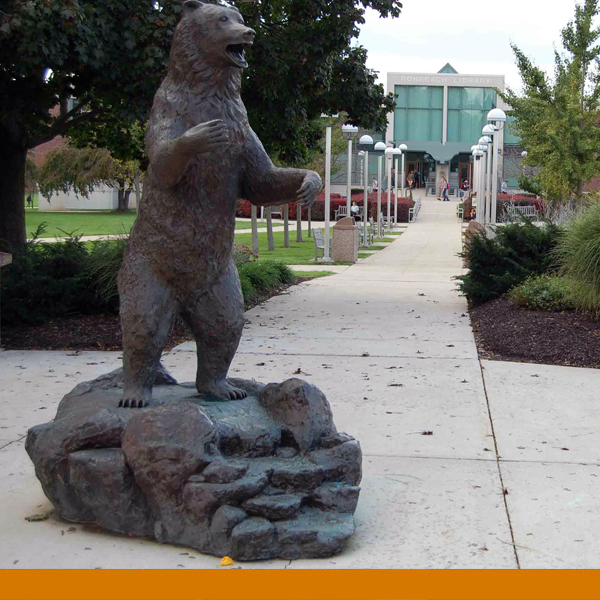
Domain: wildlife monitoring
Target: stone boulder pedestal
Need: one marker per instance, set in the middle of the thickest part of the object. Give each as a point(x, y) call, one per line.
point(264, 477)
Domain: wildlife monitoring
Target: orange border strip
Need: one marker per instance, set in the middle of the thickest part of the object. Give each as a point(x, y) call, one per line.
point(301, 584)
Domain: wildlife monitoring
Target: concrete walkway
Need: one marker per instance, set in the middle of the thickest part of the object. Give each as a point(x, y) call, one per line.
point(466, 464)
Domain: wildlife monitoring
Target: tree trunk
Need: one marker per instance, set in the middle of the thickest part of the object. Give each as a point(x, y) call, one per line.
point(123, 196)
point(309, 224)
point(12, 196)
point(270, 229)
point(299, 222)
point(254, 215)
point(138, 191)
point(286, 225)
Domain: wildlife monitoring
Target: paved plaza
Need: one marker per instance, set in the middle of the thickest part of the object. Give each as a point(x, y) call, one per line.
point(467, 463)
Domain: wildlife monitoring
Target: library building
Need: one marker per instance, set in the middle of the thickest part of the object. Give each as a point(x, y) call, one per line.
point(439, 117)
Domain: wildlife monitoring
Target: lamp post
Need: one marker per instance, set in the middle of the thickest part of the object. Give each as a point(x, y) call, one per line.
point(474, 173)
point(484, 162)
point(403, 148)
point(326, 257)
point(485, 144)
point(379, 147)
point(477, 154)
point(496, 117)
point(487, 131)
point(389, 155)
point(397, 154)
point(366, 140)
point(349, 131)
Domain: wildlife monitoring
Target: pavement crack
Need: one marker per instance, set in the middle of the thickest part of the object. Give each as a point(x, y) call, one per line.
point(13, 442)
point(498, 462)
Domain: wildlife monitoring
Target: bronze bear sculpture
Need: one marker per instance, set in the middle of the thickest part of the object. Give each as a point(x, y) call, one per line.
point(204, 156)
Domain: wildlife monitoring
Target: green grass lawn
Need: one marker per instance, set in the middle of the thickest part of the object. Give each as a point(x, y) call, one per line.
point(90, 223)
point(299, 253)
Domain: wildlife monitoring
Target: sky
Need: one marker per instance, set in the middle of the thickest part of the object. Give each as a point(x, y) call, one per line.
point(474, 36)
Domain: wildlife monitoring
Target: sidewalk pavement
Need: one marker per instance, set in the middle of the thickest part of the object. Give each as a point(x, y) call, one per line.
point(467, 463)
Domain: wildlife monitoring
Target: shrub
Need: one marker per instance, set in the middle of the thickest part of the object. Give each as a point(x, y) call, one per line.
point(242, 254)
point(543, 292)
point(260, 277)
point(578, 253)
point(104, 261)
point(46, 281)
point(496, 265)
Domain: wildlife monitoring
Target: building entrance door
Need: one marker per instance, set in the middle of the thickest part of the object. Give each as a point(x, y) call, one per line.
point(464, 172)
point(420, 173)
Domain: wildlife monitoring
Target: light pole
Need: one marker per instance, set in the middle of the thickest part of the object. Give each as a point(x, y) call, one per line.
point(366, 140)
point(485, 161)
point(403, 148)
point(326, 257)
point(379, 147)
point(477, 154)
point(485, 144)
point(497, 117)
point(474, 179)
point(349, 131)
point(397, 154)
point(487, 131)
point(389, 155)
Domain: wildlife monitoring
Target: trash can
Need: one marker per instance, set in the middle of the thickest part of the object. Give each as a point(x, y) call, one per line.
point(344, 245)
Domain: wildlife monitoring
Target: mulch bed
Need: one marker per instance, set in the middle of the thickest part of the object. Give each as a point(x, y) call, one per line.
point(504, 331)
point(93, 332)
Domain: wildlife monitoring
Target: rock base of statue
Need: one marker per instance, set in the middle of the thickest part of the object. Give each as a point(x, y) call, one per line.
point(264, 477)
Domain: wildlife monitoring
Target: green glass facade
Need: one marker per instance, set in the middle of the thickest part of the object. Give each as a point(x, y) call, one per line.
point(419, 113)
point(467, 112)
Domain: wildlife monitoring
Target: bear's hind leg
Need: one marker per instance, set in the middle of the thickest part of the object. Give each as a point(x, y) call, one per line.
point(147, 311)
point(216, 318)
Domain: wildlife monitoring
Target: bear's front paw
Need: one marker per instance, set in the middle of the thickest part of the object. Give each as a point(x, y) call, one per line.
point(206, 137)
point(309, 189)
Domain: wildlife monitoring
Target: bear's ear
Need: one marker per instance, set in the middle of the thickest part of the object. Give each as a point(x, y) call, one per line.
point(189, 6)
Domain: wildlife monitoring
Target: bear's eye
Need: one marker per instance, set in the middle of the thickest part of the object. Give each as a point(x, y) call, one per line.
point(223, 18)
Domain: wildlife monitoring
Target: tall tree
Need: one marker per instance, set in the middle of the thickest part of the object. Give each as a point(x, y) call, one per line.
point(558, 118)
point(303, 64)
point(110, 55)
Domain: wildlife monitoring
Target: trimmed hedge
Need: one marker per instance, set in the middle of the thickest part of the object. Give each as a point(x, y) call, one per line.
point(318, 209)
point(50, 280)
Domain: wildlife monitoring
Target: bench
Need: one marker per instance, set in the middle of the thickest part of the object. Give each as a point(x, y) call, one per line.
point(340, 212)
point(277, 210)
point(413, 212)
point(318, 235)
point(516, 211)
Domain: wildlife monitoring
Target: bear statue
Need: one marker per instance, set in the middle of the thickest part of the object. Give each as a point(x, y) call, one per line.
point(203, 156)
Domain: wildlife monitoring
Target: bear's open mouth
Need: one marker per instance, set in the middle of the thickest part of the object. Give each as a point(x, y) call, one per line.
point(237, 55)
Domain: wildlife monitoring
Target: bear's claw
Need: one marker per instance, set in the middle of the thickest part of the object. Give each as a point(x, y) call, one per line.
point(133, 403)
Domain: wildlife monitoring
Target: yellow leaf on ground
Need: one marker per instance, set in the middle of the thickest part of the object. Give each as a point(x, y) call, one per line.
point(226, 562)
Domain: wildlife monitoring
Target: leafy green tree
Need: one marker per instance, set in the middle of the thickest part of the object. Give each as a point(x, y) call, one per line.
point(110, 55)
point(82, 170)
point(303, 64)
point(558, 118)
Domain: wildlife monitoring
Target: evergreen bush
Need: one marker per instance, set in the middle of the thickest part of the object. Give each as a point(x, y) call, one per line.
point(45, 281)
point(496, 265)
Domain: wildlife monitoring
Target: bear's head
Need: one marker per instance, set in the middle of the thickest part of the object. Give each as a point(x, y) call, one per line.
point(215, 34)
